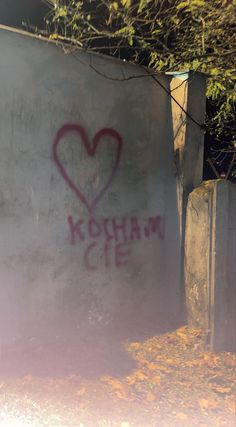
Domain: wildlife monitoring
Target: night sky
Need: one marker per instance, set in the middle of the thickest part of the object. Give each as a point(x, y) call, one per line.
point(31, 12)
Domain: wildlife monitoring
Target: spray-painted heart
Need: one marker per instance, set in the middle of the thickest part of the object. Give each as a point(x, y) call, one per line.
point(91, 150)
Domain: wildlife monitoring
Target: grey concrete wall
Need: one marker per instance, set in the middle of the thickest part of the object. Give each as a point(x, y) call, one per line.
point(210, 261)
point(89, 210)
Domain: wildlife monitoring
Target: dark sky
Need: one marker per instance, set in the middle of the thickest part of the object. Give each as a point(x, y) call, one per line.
point(14, 12)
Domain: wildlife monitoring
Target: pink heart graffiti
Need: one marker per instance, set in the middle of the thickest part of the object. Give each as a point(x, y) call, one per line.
point(91, 150)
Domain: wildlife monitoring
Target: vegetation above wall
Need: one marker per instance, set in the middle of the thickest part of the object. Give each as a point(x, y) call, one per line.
point(166, 35)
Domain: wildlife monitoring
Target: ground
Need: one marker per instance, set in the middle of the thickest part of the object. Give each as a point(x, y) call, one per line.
point(176, 382)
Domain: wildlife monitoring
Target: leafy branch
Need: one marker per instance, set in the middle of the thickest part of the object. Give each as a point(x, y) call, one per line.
point(165, 35)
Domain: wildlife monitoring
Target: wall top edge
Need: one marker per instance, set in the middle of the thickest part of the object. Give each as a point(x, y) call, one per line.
point(60, 43)
point(79, 50)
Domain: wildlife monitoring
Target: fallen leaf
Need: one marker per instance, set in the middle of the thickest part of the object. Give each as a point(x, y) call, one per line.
point(140, 376)
point(141, 359)
point(181, 416)
point(211, 359)
point(171, 361)
point(208, 403)
point(193, 362)
point(182, 333)
point(221, 390)
point(164, 368)
point(134, 346)
point(152, 366)
point(150, 397)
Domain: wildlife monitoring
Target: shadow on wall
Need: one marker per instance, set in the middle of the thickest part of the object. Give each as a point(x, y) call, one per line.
point(89, 355)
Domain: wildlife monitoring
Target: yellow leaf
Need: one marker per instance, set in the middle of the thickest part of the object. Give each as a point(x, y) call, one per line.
point(211, 359)
point(126, 3)
point(140, 376)
point(53, 36)
point(222, 390)
point(152, 366)
point(134, 346)
point(171, 361)
point(195, 332)
point(113, 382)
point(181, 333)
point(182, 5)
point(208, 403)
point(136, 376)
point(164, 369)
point(150, 397)
point(120, 389)
point(183, 329)
point(181, 416)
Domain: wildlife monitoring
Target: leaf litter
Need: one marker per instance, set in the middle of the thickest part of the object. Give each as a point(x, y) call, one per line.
point(176, 382)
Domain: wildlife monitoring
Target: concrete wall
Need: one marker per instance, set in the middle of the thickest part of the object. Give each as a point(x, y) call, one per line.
point(90, 215)
point(210, 262)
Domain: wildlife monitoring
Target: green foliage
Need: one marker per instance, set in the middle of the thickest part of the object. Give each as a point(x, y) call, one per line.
point(166, 35)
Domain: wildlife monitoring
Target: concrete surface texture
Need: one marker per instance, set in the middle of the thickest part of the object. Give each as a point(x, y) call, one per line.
point(210, 255)
point(91, 211)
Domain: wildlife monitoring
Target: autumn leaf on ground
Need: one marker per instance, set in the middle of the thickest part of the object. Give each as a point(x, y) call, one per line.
point(219, 389)
point(150, 397)
point(165, 369)
point(140, 359)
point(181, 333)
point(136, 376)
point(193, 362)
point(119, 388)
point(152, 366)
point(211, 359)
point(134, 346)
point(173, 362)
point(181, 416)
point(195, 332)
point(209, 403)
